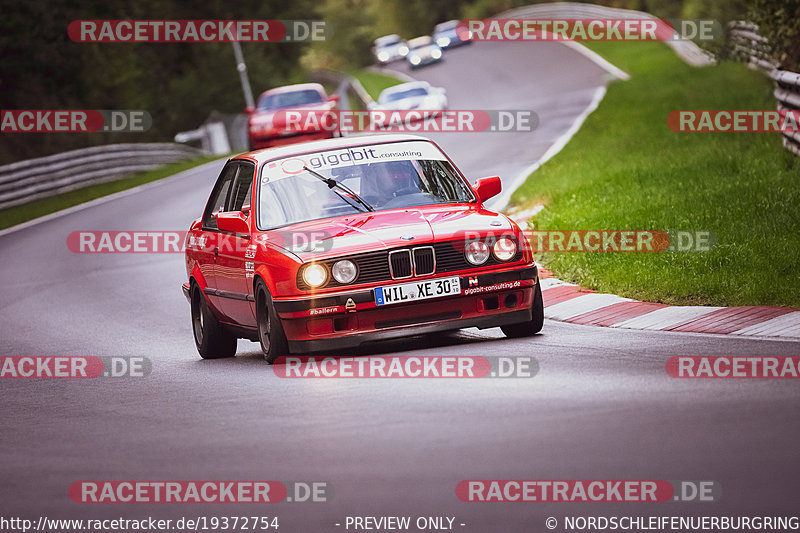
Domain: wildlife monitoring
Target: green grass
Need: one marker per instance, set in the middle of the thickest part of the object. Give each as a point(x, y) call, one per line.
point(37, 208)
point(625, 169)
point(374, 82)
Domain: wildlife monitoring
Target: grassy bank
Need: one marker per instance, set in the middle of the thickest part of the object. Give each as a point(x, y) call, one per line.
point(375, 82)
point(626, 170)
point(37, 208)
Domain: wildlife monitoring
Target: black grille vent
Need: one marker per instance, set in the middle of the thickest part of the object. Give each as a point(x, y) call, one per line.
point(424, 261)
point(400, 264)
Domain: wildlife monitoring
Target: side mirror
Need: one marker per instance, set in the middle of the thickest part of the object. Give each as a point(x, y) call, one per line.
point(333, 98)
point(487, 188)
point(248, 110)
point(234, 223)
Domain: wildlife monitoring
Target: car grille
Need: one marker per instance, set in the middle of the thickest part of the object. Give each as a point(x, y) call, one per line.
point(400, 264)
point(404, 263)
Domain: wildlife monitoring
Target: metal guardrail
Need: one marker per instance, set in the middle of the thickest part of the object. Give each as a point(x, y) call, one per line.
point(33, 179)
point(747, 45)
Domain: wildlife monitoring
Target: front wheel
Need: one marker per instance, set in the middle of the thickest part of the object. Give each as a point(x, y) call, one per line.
point(213, 341)
point(533, 326)
point(270, 330)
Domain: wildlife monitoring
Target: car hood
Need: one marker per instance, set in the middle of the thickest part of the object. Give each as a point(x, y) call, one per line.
point(414, 102)
point(423, 52)
point(369, 232)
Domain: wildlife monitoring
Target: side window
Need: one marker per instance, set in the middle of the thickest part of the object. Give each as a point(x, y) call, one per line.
point(219, 196)
point(242, 187)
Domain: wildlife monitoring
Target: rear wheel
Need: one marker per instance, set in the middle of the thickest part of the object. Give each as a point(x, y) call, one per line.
point(270, 330)
point(213, 341)
point(533, 326)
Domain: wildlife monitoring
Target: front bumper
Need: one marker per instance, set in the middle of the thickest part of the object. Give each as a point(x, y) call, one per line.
point(350, 319)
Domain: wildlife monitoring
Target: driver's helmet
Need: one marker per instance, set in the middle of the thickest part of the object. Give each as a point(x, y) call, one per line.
point(396, 177)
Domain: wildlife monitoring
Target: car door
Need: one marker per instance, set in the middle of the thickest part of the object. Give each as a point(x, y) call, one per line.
point(235, 257)
point(207, 243)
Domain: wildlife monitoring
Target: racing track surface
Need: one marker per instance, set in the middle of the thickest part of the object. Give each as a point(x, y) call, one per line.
point(601, 407)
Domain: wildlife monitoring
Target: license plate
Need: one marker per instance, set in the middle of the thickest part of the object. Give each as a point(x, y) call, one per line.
point(417, 290)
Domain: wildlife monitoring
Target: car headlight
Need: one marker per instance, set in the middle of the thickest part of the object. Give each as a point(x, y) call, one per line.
point(477, 252)
point(504, 249)
point(403, 50)
point(315, 275)
point(436, 53)
point(443, 41)
point(383, 56)
point(344, 271)
point(415, 60)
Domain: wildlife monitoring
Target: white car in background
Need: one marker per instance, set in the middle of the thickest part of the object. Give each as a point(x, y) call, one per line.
point(423, 51)
point(389, 48)
point(448, 35)
point(412, 95)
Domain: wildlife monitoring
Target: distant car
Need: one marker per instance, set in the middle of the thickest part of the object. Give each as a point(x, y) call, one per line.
point(412, 95)
point(265, 130)
point(423, 51)
point(331, 244)
point(389, 48)
point(447, 36)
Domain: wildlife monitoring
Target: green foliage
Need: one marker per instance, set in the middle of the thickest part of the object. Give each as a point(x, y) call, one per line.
point(778, 22)
point(178, 84)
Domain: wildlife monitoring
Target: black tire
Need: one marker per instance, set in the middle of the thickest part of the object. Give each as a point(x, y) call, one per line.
point(270, 330)
point(213, 341)
point(532, 327)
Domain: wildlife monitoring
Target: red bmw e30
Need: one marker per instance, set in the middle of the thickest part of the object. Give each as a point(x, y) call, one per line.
point(331, 244)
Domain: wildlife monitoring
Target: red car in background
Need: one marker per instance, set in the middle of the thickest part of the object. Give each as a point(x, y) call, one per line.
point(265, 129)
point(331, 244)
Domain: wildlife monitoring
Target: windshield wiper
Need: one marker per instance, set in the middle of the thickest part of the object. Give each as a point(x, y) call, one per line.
point(331, 183)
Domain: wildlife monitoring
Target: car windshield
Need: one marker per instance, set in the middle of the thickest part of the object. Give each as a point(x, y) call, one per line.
point(289, 99)
point(400, 95)
point(290, 194)
point(420, 42)
point(385, 44)
point(446, 27)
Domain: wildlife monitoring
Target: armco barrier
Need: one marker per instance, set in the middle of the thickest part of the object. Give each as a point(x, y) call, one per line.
point(32, 179)
point(747, 45)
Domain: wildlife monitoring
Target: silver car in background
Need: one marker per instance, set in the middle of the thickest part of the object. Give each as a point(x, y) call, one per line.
point(412, 95)
point(423, 51)
point(389, 48)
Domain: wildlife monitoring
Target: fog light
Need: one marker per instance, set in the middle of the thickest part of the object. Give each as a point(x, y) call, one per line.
point(477, 252)
point(504, 249)
point(344, 271)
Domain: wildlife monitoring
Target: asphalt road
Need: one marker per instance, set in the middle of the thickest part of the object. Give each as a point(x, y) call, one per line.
point(601, 406)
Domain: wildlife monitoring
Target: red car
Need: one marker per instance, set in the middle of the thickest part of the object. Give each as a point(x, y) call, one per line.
point(266, 126)
point(331, 244)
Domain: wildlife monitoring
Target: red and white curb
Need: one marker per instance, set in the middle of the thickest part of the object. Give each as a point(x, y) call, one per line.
point(571, 303)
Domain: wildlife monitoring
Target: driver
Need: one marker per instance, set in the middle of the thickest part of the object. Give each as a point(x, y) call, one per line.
point(390, 180)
